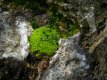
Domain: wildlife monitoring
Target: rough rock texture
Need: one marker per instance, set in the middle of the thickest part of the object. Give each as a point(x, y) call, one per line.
point(42, 19)
point(81, 10)
point(14, 32)
point(69, 63)
point(99, 61)
point(91, 17)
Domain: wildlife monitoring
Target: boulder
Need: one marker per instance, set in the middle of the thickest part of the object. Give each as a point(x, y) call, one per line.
point(90, 16)
point(14, 33)
point(69, 63)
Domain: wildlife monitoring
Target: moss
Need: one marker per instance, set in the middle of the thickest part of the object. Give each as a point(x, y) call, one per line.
point(44, 41)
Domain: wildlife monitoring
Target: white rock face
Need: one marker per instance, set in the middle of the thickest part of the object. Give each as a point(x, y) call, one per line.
point(69, 62)
point(24, 30)
point(14, 36)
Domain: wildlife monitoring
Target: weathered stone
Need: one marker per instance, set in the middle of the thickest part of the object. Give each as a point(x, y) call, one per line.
point(87, 14)
point(69, 62)
point(42, 19)
point(99, 61)
point(91, 16)
point(14, 32)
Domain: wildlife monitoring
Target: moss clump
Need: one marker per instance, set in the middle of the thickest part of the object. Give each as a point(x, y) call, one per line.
point(44, 41)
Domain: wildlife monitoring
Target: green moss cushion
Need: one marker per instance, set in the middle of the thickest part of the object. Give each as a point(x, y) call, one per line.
point(44, 40)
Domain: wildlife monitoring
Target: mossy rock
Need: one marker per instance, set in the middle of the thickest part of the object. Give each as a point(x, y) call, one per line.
point(44, 41)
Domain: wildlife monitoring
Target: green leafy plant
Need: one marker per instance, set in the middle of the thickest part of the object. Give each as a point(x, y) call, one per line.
point(44, 41)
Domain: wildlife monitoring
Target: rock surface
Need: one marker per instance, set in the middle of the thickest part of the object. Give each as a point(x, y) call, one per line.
point(14, 32)
point(69, 63)
point(80, 10)
point(91, 17)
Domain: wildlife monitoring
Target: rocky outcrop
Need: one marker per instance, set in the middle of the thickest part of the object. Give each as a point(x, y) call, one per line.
point(69, 63)
point(90, 16)
point(72, 60)
point(81, 10)
point(98, 59)
point(14, 33)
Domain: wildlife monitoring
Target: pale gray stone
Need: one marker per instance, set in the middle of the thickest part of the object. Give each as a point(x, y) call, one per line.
point(69, 62)
point(14, 36)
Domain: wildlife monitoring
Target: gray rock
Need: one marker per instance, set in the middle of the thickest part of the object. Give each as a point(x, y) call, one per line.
point(78, 10)
point(91, 16)
point(14, 32)
point(69, 62)
point(88, 14)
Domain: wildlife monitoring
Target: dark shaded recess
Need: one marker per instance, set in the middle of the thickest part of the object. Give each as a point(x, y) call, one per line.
point(37, 6)
point(98, 62)
point(31, 59)
point(101, 26)
point(104, 4)
point(84, 31)
point(12, 69)
point(9, 69)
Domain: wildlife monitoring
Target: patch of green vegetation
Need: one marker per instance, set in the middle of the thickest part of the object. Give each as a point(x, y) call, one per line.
point(65, 27)
point(55, 18)
point(44, 41)
point(73, 29)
